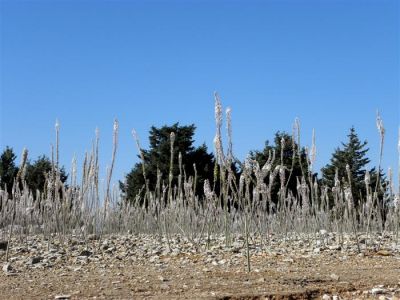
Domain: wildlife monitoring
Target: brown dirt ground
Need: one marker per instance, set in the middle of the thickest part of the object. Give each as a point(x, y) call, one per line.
point(273, 277)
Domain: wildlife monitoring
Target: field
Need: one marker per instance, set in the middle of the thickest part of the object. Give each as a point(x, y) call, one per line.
point(237, 240)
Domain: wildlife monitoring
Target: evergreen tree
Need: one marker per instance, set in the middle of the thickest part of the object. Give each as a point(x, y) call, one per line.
point(158, 158)
point(289, 148)
point(37, 172)
point(353, 153)
point(8, 169)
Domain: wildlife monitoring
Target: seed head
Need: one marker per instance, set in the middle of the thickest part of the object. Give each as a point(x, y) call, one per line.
point(349, 198)
point(172, 137)
point(207, 190)
point(313, 153)
point(379, 125)
point(218, 110)
point(396, 202)
point(116, 125)
point(367, 178)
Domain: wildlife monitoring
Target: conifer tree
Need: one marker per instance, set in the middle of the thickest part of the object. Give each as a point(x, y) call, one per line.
point(8, 169)
point(288, 157)
point(157, 160)
point(354, 154)
point(37, 172)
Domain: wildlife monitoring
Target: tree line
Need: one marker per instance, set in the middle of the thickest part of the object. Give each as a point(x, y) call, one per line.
point(167, 161)
point(35, 173)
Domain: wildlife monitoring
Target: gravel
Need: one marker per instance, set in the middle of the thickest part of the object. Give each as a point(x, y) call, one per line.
point(79, 255)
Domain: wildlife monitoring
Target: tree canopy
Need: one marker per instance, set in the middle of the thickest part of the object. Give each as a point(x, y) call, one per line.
point(157, 159)
point(286, 153)
point(37, 172)
point(8, 169)
point(354, 154)
point(35, 175)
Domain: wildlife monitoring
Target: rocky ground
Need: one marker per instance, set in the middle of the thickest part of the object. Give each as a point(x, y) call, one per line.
point(145, 267)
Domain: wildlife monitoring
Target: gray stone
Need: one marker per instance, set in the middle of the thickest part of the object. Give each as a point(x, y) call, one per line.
point(335, 277)
point(326, 297)
point(7, 268)
point(378, 290)
point(93, 237)
point(62, 297)
point(35, 260)
point(86, 253)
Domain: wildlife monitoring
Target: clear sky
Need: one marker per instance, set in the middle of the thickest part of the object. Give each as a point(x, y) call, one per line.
point(330, 63)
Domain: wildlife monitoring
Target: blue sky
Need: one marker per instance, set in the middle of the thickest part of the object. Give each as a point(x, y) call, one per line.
point(330, 63)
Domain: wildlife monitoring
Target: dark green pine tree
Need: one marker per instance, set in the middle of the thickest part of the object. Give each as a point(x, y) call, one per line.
point(37, 172)
point(8, 169)
point(158, 156)
point(289, 148)
point(352, 153)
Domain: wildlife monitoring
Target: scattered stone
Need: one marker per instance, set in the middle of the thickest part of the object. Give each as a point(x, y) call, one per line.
point(62, 297)
point(35, 260)
point(114, 252)
point(378, 290)
point(164, 286)
point(7, 268)
point(335, 247)
point(222, 262)
point(335, 277)
point(154, 258)
point(384, 253)
point(86, 253)
point(93, 237)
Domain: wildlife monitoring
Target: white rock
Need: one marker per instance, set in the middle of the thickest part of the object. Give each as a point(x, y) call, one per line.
point(326, 297)
point(335, 277)
point(7, 268)
point(62, 297)
point(334, 247)
point(377, 290)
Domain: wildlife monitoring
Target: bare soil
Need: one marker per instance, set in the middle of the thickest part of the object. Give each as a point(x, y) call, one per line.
point(186, 276)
